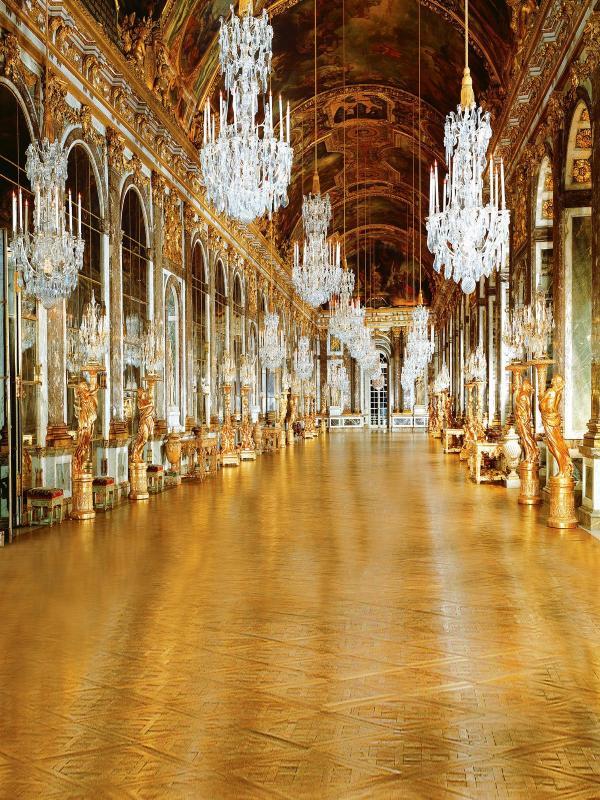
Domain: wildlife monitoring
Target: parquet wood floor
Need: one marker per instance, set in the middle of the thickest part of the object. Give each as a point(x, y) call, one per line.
point(347, 619)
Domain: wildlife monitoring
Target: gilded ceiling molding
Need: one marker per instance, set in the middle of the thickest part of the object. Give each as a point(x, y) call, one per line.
point(541, 60)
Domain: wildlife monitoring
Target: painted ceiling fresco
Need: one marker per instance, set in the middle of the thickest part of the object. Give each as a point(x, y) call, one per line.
point(369, 130)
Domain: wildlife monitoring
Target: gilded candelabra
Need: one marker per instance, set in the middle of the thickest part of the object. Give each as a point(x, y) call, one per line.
point(522, 392)
point(474, 431)
point(230, 456)
point(86, 411)
point(248, 446)
point(562, 485)
point(138, 475)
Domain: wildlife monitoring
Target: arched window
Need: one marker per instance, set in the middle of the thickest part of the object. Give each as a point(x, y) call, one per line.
point(578, 234)
point(14, 140)
point(134, 261)
point(221, 341)
point(81, 182)
point(199, 326)
point(578, 164)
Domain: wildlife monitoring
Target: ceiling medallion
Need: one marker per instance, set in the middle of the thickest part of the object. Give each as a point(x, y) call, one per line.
point(468, 238)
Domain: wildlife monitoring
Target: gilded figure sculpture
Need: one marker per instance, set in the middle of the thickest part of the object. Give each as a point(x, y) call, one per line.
point(86, 411)
point(552, 421)
point(522, 403)
point(145, 404)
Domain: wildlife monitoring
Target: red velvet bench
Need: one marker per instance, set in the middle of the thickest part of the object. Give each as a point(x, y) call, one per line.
point(156, 478)
point(103, 490)
point(45, 505)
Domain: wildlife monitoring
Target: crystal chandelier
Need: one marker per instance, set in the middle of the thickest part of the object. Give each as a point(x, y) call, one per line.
point(272, 345)
point(344, 320)
point(227, 369)
point(420, 344)
point(442, 381)
point(468, 238)
point(50, 258)
point(248, 370)
point(317, 275)
point(152, 350)
point(476, 366)
point(88, 345)
point(338, 380)
point(245, 52)
point(378, 382)
point(537, 322)
point(246, 167)
point(303, 360)
point(513, 335)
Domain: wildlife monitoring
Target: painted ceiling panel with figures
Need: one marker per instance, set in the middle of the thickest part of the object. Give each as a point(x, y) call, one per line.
point(371, 128)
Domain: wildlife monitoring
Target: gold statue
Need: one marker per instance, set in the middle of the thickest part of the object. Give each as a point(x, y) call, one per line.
point(145, 405)
point(522, 402)
point(86, 411)
point(552, 421)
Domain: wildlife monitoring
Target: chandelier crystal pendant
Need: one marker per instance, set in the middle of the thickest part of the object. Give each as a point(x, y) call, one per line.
point(303, 359)
point(245, 166)
point(476, 366)
point(272, 343)
point(468, 238)
point(50, 258)
point(342, 320)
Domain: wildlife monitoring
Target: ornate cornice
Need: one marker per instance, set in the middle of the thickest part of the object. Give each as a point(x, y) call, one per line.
point(541, 64)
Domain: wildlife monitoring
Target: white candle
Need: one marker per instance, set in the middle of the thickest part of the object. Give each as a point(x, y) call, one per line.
point(79, 218)
point(26, 215)
point(288, 123)
point(38, 205)
point(56, 207)
point(70, 213)
point(14, 212)
point(496, 188)
point(492, 180)
point(20, 209)
point(280, 119)
point(502, 183)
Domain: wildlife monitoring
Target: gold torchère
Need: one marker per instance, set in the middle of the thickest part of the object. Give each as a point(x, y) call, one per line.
point(138, 469)
point(230, 456)
point(522, 393)
point(562, 485)
point(292, 417)
point(283, 401)
point(248, 446)
point(469, 437)
point(86, 411)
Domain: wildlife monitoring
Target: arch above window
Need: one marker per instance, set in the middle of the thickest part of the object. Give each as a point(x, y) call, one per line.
point(578, 163)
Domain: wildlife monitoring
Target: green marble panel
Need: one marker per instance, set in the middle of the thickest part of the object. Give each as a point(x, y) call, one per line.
point(581, 321)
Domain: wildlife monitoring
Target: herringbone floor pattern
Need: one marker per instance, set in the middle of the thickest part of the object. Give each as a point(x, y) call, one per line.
point(347, 619)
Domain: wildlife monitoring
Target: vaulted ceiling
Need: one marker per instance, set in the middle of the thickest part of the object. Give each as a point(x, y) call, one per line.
point(368, 132)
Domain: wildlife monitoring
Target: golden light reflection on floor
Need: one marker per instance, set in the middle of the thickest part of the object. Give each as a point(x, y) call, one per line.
point(346, 619)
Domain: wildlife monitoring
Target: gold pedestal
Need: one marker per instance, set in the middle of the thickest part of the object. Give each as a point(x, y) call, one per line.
point(248, 455)
point(83, 498)
point(530, 484)
point(562, 503)
point(138, 480)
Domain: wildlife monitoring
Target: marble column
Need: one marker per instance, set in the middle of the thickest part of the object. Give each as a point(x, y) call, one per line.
point(191, 378)
point(396, 370)
point(157, 309)
point(57, 435)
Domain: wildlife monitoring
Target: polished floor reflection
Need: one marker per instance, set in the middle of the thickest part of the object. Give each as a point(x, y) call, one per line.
point(347, 619)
